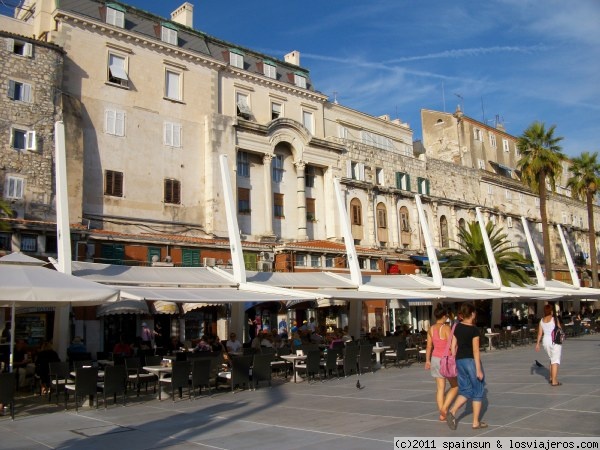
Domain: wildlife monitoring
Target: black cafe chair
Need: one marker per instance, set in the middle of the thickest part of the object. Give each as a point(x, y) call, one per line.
point(86, 384)
point(8, 386)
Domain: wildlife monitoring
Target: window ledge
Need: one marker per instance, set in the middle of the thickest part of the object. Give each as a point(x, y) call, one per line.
point(174, 100)
point(117, 85)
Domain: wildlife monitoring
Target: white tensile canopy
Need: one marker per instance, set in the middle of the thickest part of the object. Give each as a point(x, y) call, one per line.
point(30, 285)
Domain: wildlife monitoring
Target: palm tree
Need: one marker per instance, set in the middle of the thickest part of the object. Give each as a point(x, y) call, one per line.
point(470, 259)
point(584, 184)
point(540, 162)
point(4, 211)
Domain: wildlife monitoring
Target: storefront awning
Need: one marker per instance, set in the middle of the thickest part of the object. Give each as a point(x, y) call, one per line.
point(187, 307)
point(123, 307)
point(328, 302)
point(161, 307)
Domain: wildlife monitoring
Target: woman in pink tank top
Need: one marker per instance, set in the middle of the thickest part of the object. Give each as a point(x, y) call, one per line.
point(437, 341)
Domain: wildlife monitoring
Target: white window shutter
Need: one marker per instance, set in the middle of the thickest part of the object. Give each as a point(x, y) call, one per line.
point(176, 135)
point(26, 93)
point(10, 45)
point(361, 171)
point(11, 89)
point(120, 123)
point(30, 141)
point(109, 121)
point(168, 133)
point(28, 50)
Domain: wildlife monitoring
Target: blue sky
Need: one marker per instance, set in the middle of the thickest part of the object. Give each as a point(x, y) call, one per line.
point(520, 60)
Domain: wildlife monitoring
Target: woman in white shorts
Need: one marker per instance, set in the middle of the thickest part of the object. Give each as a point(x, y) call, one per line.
point(553, 350)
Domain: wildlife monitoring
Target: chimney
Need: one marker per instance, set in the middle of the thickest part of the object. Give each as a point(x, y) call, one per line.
point(184, 15)
point(293, 58)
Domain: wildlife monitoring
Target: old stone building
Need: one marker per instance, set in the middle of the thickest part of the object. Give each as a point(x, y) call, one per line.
point(488, 157)
point(30, 79)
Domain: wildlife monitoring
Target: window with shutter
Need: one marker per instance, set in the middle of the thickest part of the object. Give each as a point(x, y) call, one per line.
point(30, 141)
point(311, 214)
point(310, 176)
point(168, 35)
point(172, 134)
point(307, 121)
point(244, 201)
point(20, 91)
point(115, 17)
point(117, 70)
point(172, 191)
point(113, 183)
point(276, 110)
point(190, 257)
point(356, 211)
point(278, 210)
point(270, 70)
point(113, 253)
point(173, 85)
point(153, 251)
point(14, 187)
point(300, 81)
point(114, 122)
point(19, 139)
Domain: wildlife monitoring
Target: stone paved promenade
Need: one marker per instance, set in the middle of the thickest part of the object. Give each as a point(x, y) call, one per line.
point(332, 415)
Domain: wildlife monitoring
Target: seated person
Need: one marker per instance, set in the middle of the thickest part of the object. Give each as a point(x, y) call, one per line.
point(203, 345)
point(21, 363)
point(45, 356)
point(77, 346)
point(216, 344)
point(233, 344)
point(122, 348)
point(266, 339)
point(174, 344)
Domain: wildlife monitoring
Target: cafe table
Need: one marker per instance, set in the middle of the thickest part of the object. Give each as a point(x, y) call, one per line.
point(294, 360)
point(378, 351)
point(491, 336)
point(160, 371)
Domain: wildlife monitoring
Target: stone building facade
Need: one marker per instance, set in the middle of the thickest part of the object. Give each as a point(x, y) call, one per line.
point(30, 79)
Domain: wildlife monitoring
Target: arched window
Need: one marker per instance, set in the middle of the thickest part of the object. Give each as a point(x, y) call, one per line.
point(356, 212)
point(462, 224)
point(356, 220)
point(444, 232)
point(405, 234)
point(382, 233)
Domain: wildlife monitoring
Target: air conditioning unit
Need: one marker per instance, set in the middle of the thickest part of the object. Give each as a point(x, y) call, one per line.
point(209, 262)
point(265, 266)
point(267, 256)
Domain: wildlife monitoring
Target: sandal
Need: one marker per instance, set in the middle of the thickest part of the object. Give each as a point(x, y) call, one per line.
point(451, 421)
point(481, 425)
point(556, 384)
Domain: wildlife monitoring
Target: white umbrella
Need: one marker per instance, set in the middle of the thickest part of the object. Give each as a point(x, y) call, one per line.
point(26, 285)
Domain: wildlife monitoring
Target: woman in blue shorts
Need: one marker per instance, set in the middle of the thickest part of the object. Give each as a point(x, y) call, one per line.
point(465, 345)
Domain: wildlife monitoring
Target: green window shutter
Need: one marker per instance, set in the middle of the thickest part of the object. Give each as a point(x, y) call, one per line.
point(190, 257)
point(427, 186)
point(107, 253)
point(407, 181)
point(119, 253)
point(250, 261)
point(399, 180)
point(153, 251)
point(420, 185)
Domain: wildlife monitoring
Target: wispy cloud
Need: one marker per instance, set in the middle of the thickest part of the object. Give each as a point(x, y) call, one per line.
point(470, 52)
